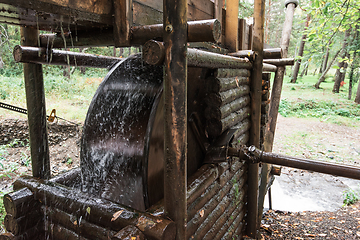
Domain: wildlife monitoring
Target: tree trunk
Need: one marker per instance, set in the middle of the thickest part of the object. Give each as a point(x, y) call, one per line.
point(326, 59)
point(305, 69)
point(301, 52)
point(341, 71)
point(322, 77)
point(357, 98)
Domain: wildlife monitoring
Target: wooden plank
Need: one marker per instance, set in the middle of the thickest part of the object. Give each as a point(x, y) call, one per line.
point(242, 34)
point(122, 22)
point(232, 23)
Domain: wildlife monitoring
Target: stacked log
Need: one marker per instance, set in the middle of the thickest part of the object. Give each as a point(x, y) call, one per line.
point(264, 104)
point(228, 102)
point(65, 213)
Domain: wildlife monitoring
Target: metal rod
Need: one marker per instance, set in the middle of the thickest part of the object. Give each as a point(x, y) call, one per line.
point(175, 114)
point(198, 31)
point(59, 57)
point(256, 87)
point(35, 101)
point(154, 53)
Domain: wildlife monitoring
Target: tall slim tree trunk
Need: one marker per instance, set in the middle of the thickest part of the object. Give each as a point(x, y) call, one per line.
point(322, 77)
point(301, 51)
point(357, 98)
point(341, 71)
point(306, 66)
point(326, 59)
point(351, 76)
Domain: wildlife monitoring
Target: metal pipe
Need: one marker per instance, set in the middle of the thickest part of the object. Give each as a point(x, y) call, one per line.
point(175, 114)
point(154, 53)
point(197, 31)
point(35, 102)
point(59, 57)
point(254, 154)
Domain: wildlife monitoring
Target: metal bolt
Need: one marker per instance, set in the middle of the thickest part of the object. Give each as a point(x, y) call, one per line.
point(168, 28)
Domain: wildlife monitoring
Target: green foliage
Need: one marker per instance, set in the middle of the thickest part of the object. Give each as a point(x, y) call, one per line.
point(317, 108)
point(350, 197)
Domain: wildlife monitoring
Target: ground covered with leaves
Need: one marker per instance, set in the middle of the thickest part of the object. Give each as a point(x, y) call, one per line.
point(341, 224)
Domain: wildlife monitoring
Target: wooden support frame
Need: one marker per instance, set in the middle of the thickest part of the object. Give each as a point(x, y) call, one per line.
point(123, 19)
point(35, 101)
point(232, 25)
point(175, 114)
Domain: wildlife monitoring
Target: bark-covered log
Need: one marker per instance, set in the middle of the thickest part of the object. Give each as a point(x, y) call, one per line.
point(269, 67)
point(57, 232)
point(226, 110)
point(75, 224)
point(71, 178)
point(280, 62)
point(99, 211)
point(215, 127)
point(242, 128)
point(269, 53)
point(223, 98)
point(30, 234)
point(229, 73)
point(129, 233)
point(223, 84)
point(20, 225)
point(21, 202)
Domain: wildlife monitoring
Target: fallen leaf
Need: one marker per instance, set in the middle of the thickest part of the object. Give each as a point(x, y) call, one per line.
point(201, 213)
point(116, 215)
point(88, 210)
point(332, 218)
point(75, 223)
point(322, 235)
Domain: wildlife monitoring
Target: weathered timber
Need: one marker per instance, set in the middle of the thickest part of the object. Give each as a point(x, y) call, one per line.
point(20, 225)
point(123, 20)
point(203, 178)
point(255, 86)
point(223, 84)
point(75, 224)
point(30, 234)
point(217, 188)
point(35, 102)
point(59, 57)
point(231, 25)
point(215, 127)
point(237, 203)
point(242, 128)
point(230, 73)
point(270, 53)
point(20, 202)
point(197, 31)
point(199, 58)
point(196, 221)
point(269, 68)
point(223, 98)
point(243, 139)
point(226, 110)
point(175, 114)
point(218, 211)
point(57, 232)
point(71, 178)
point(280, 62)
point(101, 211)
point(129, 233)
point(275, 170)
point(236, 227)
point(238, 215)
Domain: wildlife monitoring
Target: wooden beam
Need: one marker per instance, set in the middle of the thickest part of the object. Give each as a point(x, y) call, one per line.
point(122, 22)
point(35, 101)
point(175, 114)
point(232, 23)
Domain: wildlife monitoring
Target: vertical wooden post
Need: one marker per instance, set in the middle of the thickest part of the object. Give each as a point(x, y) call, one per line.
point(255, 91)
point(275, 99)
point(122, 22)
point(175, 113)
point(232, 25)
point(35, 101)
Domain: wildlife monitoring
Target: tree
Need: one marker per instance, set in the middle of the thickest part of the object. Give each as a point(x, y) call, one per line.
point(301, 51)
point(342, 65)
